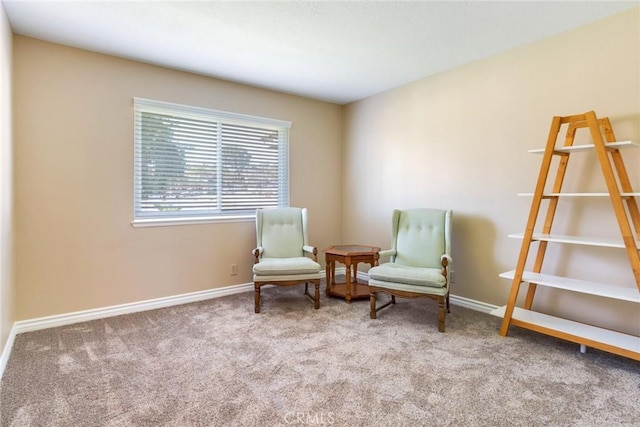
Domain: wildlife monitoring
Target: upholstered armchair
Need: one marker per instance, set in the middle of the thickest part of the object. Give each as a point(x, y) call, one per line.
point(419, 260)
point(283, 256)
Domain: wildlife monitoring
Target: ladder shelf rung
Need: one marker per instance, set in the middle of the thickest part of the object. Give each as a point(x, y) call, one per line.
point(585, 147)
point(577, 240)
point(551, 195)
point(607, 290)
point(592, 336)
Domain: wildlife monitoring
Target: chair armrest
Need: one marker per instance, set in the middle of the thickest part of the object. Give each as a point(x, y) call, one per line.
point(311, 250)
point(445, 260)
point(257, 252)
point(387, 253)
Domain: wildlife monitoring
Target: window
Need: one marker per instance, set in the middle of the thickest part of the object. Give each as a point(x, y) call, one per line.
point(195, 164)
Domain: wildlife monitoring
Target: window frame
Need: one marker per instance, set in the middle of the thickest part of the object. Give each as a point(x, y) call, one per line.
point(141, 105)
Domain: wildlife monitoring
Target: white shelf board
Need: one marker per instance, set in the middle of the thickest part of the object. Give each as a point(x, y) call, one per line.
point(593, 333)
point(584, 147)
point(579, 194)
point(592, 288)
point(577, 240)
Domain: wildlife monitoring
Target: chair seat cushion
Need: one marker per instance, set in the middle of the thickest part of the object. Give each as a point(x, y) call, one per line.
point(392, 272)
point(285, 266)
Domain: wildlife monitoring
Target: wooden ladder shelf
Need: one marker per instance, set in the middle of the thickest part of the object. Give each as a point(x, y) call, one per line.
point(625, 207)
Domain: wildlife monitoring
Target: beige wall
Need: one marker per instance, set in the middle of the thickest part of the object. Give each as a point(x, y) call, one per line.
point(6, 184)
point(459, 140)
point(75, 246)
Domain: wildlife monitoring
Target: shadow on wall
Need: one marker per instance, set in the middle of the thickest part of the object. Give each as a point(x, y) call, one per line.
point(474, 263)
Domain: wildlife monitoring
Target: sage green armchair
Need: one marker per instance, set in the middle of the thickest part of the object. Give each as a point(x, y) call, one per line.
point(283, 256)
point(419, 260)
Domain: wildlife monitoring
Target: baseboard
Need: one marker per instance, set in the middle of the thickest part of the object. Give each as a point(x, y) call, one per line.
point(117, 310)
point(134, 307)
point(472, 304)
point(6, 352)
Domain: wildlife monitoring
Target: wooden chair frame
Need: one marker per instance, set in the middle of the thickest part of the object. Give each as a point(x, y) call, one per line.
point(258, 284)
point(443, 300)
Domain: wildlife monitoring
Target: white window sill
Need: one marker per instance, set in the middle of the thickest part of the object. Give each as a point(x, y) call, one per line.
point(170, 222)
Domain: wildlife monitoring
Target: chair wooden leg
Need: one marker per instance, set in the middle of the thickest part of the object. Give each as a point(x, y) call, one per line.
point(257, 298)
point(441, 314)
point(316, 297)
point(372, 303)
point(448, 306)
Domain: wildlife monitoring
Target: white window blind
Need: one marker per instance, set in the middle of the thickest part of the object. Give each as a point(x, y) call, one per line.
point(194, 162)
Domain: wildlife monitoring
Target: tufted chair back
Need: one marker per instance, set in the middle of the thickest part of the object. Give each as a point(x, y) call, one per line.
point(420, 236)
point(282, 232)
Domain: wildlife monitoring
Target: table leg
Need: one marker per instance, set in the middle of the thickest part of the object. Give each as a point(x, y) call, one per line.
point(348, 283)
point(355, 274)
point(354, 281)
point(328, 277)
point(331, 275)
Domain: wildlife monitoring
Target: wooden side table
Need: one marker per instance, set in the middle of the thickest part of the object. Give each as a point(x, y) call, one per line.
point(350, 256)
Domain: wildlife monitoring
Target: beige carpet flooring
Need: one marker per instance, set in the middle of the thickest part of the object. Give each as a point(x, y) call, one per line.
point(216, 363)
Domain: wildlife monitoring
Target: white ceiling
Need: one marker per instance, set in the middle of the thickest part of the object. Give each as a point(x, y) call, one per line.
point(337, 51)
